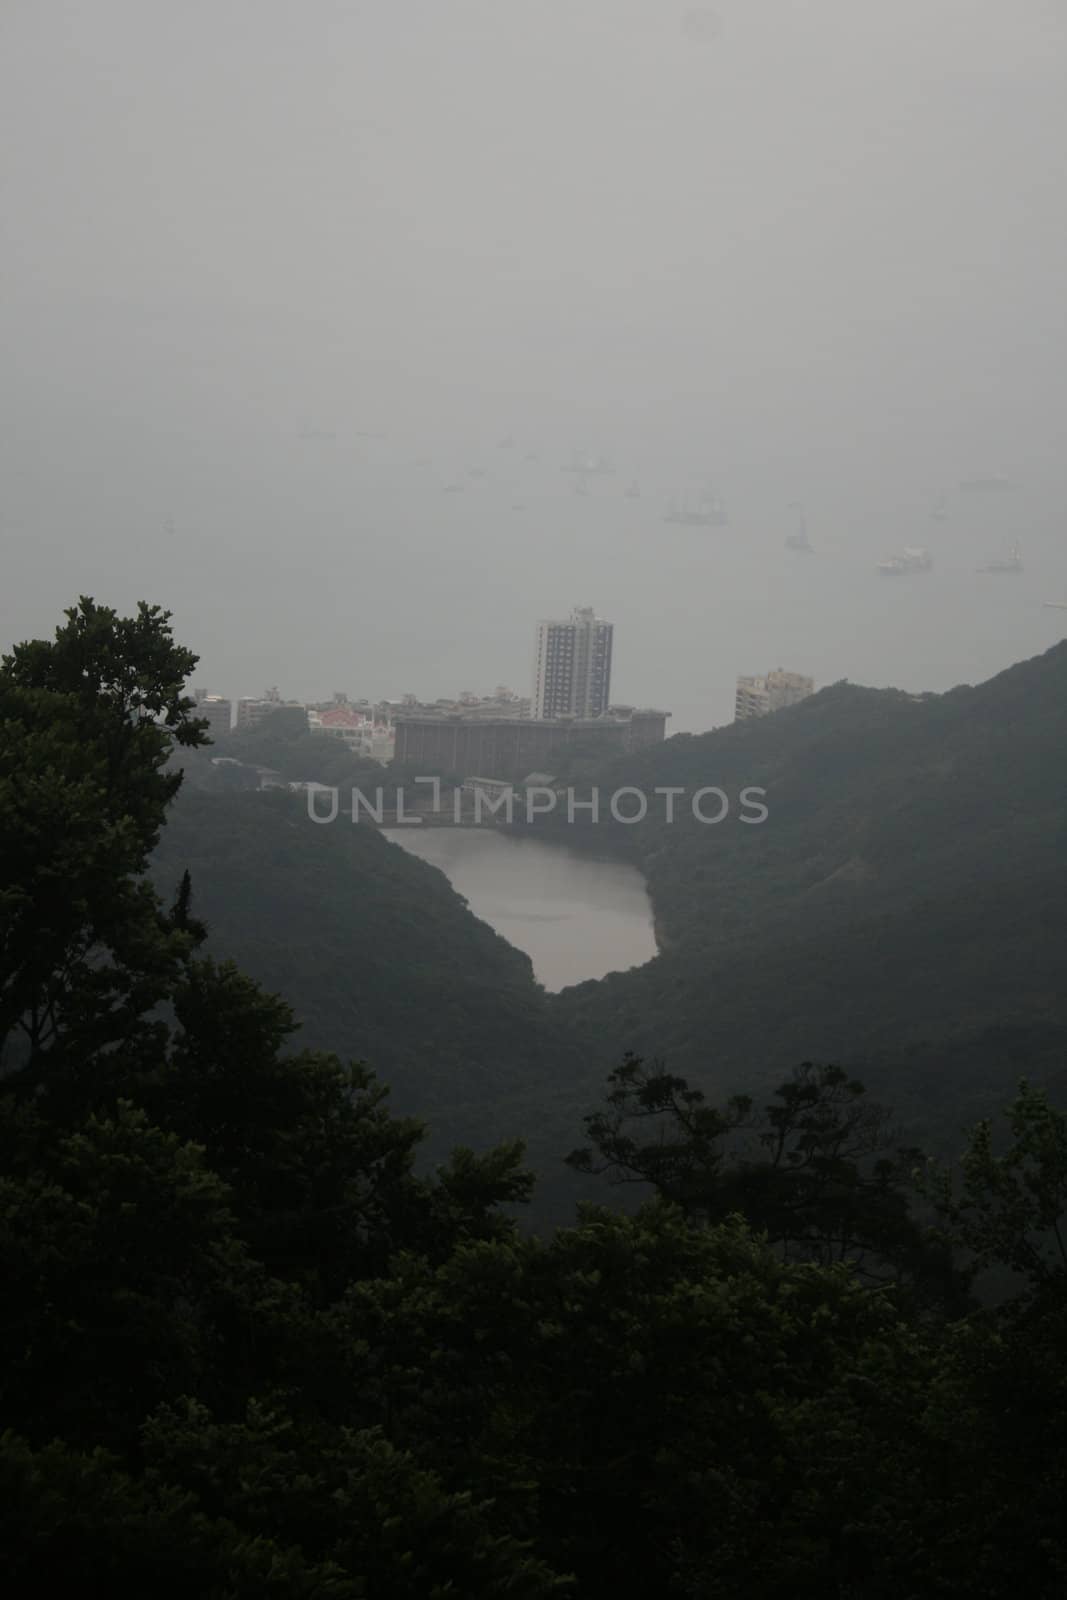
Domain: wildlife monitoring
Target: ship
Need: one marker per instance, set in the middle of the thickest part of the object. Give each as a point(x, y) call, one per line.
point(586, 464)
point(634, 491)
point(1012, 562)
point(939, 509)
point(799, 539)
point(707, 512)
point(453, 488)
point(990, 483)
point(910, 559)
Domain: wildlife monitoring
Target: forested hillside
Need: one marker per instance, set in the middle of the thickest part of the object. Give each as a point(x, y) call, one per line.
point(381, 960)
point(904, 901)
point(903, 909)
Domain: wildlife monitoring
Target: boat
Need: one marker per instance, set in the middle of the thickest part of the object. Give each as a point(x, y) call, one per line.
point(1012, 562)
point(581, 485)
point(910, 559)
point(634, 491)
point(507, 443)
point(939, 509)
point(799, 539)
point(990, 483)
point(453, 488)
point(707, 512)
point(585, 464)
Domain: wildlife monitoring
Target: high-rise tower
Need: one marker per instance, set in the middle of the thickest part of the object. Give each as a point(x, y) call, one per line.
point(572, 666)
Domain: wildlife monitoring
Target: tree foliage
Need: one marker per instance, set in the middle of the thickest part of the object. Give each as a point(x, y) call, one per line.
point(818, 1169)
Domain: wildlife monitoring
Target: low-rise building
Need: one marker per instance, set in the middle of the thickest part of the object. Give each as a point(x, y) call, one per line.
point(511, 747)
point(760, 696)
point(358, 730)
point(252, 711)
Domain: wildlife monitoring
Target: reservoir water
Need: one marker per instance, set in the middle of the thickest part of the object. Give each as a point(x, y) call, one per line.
point(575, 917)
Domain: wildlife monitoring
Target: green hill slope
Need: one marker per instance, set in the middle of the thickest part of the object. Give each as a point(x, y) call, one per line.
point(906, 897)
point(380, 959)
point(903, 910)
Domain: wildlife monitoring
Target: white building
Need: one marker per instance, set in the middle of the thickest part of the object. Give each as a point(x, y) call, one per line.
point(572, 666)
point(759, 696)
point(216, 711)
point(358, 730)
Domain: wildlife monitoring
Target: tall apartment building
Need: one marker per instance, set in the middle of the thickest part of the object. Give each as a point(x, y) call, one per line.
point(572, 666)
point(759, 696)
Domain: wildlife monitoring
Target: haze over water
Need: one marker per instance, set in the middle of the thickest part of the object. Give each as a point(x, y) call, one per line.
point(805, 253)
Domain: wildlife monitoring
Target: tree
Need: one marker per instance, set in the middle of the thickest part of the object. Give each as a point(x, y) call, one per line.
point(86, 948)
point(817, 1169)
point(1010, 1210)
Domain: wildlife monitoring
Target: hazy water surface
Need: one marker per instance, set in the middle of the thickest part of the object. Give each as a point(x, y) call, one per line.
point(575, 918)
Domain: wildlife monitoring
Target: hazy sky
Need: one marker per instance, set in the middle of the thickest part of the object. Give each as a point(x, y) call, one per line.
point(811, 251)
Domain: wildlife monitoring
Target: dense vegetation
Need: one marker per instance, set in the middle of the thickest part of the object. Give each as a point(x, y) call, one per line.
point(380, 958)
point(249, 1350)
point(903, 908)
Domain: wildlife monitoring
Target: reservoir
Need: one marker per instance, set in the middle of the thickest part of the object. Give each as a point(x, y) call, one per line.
point(575, 917)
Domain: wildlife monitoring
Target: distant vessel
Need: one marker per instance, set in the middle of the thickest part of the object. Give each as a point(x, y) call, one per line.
point(588, 463)
point(453, 488)
point(1012, 562)
point(634, 491)
point(519, 505)
point(475, 472)
point(991, 483)
point(581, 485)
point(706, 512)
point(506, 443)
point(799, 540)
point(939, 509)
point(910, 559)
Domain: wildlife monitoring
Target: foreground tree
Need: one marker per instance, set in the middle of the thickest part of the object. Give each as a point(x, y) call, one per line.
point(181, 1195)
point(86, 949)
point(818, 1169)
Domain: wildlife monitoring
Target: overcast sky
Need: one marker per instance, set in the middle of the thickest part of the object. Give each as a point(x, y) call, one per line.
point(799, 251)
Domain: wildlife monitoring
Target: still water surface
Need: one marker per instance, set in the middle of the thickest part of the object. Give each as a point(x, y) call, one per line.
point(576, 918)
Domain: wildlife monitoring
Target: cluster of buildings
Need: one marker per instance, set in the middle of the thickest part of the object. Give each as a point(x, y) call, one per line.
point(365, 729)
point(569, 713)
